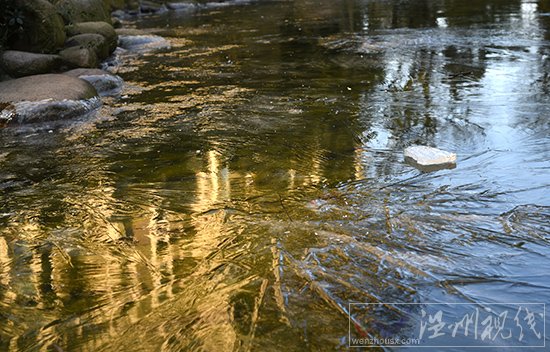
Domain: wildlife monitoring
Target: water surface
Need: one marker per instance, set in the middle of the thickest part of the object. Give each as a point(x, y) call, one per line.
point(249, 184)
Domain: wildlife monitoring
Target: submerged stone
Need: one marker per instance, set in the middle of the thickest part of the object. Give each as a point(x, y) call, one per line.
point(429, 159)
point(45, 98)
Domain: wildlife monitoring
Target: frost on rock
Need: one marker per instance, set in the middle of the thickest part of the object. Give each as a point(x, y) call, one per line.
point(429, 159)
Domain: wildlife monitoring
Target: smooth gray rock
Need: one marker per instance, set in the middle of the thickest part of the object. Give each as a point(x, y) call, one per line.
point(45, 98)
point(181, 6)
point(428, 157)
point(77, 56)
point(143, 43)
point(105, 83)
point(99, 27)
point(22, 63)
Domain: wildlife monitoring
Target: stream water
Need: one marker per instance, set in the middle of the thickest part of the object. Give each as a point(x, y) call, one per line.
point(249, 185)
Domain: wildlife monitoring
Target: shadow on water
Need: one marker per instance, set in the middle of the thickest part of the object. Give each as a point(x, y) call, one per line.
point(249, 184)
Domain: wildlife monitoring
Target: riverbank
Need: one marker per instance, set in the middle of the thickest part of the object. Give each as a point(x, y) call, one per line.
point(82, 39)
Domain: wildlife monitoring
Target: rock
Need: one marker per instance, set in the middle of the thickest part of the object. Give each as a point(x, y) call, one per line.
point(117, 23)
point(105, 83)
point(147, 6)
point(22, 63)
point(45, 98)
point(118, 14)
point(102, 28)
point(428, 158)
point(43, 29)
point(74, 11)
point(96, 42)
point(130, 32)
point(79, 57)
point(181, 6)
point(141, 43)
point(113, 5)
point(3, 75)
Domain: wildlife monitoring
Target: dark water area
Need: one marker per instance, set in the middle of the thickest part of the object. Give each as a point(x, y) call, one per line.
point(248, 190)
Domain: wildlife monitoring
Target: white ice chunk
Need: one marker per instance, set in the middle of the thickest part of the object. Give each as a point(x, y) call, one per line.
point(428, 156)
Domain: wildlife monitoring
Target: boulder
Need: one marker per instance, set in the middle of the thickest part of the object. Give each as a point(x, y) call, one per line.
point(79, 57)
point(102, 28)
point(43, 29)
point(45, 98)
point(113, 5)
point(96, 42)
point(428, 158)
point(147, 6)
point(105, 83)
point(74, 11)
point(22, 63)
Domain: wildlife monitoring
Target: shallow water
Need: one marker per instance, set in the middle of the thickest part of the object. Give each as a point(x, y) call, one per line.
point(249, 184)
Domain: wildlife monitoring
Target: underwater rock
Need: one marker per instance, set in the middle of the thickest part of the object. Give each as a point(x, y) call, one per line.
point(429, 159)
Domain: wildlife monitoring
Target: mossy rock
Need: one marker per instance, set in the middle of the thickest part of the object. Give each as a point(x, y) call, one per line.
point(74, 11)
point(22, 63)
point(96, 42)
point(101, 28)
point(79, 57)
point(43, 29)
point(112, 5)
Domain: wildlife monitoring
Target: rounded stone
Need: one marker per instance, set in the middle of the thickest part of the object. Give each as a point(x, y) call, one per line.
point(96, 42)
point(22, 63)
point(45, 98)
point(143, 43)
point(99, 27)
point(79, 57)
